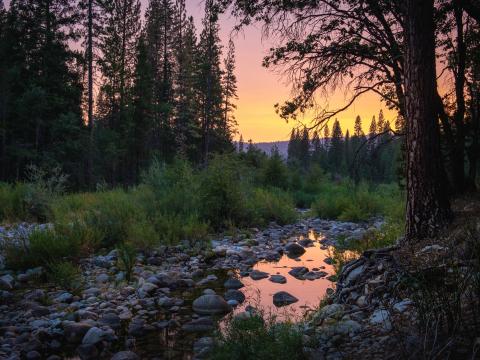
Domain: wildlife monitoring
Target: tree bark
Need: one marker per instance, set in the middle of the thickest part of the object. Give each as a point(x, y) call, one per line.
point(428, 207)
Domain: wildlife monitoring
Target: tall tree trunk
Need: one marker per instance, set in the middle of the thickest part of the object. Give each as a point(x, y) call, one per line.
point(428, 207)
point(90, 93)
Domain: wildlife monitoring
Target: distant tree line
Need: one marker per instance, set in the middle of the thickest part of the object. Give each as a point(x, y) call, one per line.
point(375, 156)
point(89, 87)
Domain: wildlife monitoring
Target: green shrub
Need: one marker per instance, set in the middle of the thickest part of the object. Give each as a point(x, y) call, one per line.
point(43, 247)
point(142, 235)
point(256, 338)
point(222, 193)
point(12, 202)
point(65, 275)
point(127, 258)
point(271, 205)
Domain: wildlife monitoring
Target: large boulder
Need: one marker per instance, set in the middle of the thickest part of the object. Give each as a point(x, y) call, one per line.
point(211, 305)
point(75, 332)
point(234, 294)
point(233, 284)
point(298, 272)
point(282, 298)
point(295, 250)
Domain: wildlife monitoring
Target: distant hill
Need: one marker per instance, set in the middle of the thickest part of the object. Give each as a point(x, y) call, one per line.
point(267, 147)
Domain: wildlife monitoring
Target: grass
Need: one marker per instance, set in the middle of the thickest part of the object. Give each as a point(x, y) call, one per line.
point(259, 338)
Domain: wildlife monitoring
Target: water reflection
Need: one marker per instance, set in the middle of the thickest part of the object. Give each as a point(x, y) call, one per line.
point(260, 293)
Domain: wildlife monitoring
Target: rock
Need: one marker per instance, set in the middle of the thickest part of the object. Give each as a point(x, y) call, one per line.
point(345, 327)
point(111, 320)
point(87, 352)
point(93, 336)
point(203, 346)
point(328, 261)
point(258, 275)
point(202, 324)
point(278, 279)
point(65, 297)
point(211, 305)
point(236, 295)
point(305, 242)
point(298, 272)
point(233, 303)
point(233, 283)
point(381, 317)
point(92, 292)
point(403, 305)
point(209, 292)
point(354, 274)
point(293, 249)
point(33, 355)
point(282, 298)
point(146, 290)
point(102, 278)
point(125, 355)
point(74, 332)
point(334, 311)
point(6, 282)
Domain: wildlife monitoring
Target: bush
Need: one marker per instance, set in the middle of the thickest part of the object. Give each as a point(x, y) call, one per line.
point(12, 202)
point(222, 193)
point(65, 275)
point(271, 205)
point(43, 247)
point(256, 338)
point(127, 258)
point(347, 203)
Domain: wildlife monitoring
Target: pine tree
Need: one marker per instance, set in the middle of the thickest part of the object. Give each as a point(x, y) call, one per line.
point(40, 88)
point(336, 151)
point(241, 145)
point(118, 45)
point(209, 82)
point(304, 149)
point(142, 101)
point(160, 28)
point(187, 128)
point(229, 84)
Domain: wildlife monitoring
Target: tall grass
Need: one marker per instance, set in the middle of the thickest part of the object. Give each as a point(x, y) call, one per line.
point(258, 338)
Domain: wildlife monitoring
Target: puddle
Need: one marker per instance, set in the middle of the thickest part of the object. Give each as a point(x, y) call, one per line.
point(259, 293)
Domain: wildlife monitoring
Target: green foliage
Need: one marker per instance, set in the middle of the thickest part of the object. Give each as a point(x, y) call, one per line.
point(257, 338)
point(267, 205)
point(12, 202)
point(345, 202)
point(127, 257)
point(43, 247)
point(65, 275)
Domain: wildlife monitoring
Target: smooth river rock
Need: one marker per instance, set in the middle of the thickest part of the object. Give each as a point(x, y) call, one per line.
point(258, 275)
point(293, 249)
point(278, 279)
point(233, 284)
point(211, 305)
point(282, 298)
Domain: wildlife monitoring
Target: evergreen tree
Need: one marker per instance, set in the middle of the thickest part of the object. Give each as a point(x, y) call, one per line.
point(187, 128)
point(336, 150)
point(241, 145)
point(304, 149)
point(229, 84)
point(209, 83)
point(160, 34)
point(142, 110)
point(40, 93)
point(118, 45)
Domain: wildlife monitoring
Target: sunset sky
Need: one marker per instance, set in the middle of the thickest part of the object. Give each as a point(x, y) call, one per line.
point(259, 88)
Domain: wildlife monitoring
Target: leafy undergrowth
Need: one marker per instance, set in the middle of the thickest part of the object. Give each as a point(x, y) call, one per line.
point(259, 337)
